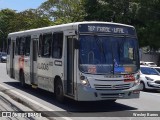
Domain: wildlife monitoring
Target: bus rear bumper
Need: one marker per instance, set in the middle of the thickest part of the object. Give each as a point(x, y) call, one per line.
point(90, 94)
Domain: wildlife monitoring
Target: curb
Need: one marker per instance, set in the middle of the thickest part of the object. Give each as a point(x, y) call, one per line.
point(29, 103)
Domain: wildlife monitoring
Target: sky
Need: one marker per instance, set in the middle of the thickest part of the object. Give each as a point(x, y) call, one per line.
point(20, 5)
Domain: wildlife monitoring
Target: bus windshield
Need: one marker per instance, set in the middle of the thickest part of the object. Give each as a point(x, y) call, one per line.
point(108, 54)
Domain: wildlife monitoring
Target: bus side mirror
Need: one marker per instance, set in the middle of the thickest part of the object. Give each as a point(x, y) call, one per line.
point(76, 44)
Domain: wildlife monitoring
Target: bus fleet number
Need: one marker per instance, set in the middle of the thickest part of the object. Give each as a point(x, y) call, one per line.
point(43, 66)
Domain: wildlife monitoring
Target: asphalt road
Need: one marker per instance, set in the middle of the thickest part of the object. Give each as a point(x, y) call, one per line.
point(147, 104)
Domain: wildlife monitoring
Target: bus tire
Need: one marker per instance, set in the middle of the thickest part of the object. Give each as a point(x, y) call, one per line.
point(22, 79)
point(59, 91)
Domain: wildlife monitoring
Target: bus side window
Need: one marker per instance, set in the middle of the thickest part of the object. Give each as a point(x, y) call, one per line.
point(17, 45)
point(46, 45)
point(40, 46)
point(57, 45)
point(27, 45)
point(21, 46)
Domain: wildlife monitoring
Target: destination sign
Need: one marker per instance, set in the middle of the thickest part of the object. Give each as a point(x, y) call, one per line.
point(106, 28)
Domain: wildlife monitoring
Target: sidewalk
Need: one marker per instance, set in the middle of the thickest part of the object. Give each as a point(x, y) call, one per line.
point(10, 109)
point(33, 106)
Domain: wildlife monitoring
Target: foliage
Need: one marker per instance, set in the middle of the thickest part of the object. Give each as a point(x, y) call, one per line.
point(143, 14)
point(149, 15)
point(63, 11)
point(30, 19)
point(6, 20)
point(10, 21)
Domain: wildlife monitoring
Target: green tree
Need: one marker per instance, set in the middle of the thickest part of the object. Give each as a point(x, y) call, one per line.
point(11, 21)
point(30, 19)
point(143, 14)
point(63, 11)
point(122, 11)
point(149, 15)
point(6, 17)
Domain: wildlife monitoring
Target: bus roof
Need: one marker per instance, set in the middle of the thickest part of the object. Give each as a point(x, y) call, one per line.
point(68, 26)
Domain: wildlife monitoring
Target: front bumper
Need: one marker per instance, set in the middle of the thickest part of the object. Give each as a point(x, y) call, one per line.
point(90, 94)
point(153, 85)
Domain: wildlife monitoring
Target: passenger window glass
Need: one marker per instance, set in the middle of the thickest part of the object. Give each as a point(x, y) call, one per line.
point(40, 46)
point(57, 45)
point(21, 46)
point(17, 46)
point(27, 45)
point(46, 45)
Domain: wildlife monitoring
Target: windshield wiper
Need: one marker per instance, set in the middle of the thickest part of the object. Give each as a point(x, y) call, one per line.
point(101, 47)
point(112, 57)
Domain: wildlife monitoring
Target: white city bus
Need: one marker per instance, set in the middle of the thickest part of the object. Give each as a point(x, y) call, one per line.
point(85, 61)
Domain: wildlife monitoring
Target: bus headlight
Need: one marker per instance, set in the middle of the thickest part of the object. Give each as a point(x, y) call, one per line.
point(84, 81)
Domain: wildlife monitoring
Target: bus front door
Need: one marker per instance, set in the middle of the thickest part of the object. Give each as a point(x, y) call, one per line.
point(70, 66)
point(34, 47)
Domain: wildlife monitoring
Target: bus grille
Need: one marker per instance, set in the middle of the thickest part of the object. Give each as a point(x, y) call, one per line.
point(112, 95)
point(112, 87)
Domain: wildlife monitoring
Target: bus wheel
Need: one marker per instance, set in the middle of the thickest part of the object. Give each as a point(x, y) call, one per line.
point(22, 81)
point(59, 91)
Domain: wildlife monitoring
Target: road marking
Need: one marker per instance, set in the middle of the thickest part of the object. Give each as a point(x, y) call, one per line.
point(40, 105)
